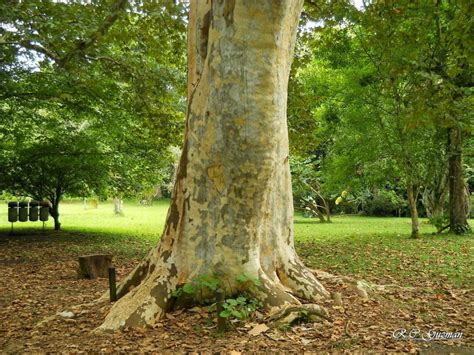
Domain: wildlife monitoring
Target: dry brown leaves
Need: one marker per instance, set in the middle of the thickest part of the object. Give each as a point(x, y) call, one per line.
point(39, 280)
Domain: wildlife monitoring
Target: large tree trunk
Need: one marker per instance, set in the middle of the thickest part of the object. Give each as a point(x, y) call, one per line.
point(231, 211)
point(458, 205)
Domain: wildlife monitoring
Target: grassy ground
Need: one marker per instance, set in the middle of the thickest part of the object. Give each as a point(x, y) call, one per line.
point(381, 249)
point(39, 280)
point(137, 221)
point(368, 247)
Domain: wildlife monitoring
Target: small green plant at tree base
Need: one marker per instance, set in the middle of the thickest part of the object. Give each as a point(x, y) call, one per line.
point(199, 285)
point(440, 222)
point(241, 307)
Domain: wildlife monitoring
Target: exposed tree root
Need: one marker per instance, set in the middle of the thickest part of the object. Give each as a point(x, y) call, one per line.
point(149, 302)
point(363, 288)
point(272, 293)
point(286, 315)
point(302, 282)
point(77, 309)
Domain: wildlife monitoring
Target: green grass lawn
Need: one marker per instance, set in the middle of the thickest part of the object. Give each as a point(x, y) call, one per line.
point(370, 247)
point(137, 221)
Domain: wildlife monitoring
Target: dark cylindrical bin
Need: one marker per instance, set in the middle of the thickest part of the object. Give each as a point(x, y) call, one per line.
point(34, 211)
point(12, 211)
point(23, 212)
point(44, 211)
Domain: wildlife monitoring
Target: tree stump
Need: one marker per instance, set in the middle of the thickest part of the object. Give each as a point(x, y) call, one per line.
point(94, 266)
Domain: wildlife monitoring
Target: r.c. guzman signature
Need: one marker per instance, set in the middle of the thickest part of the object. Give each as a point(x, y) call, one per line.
point(430, 335)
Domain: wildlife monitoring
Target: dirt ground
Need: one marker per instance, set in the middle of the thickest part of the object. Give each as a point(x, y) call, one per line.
point(39, 280)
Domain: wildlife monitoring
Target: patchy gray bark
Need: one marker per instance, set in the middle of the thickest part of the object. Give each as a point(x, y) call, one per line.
point(232, 209)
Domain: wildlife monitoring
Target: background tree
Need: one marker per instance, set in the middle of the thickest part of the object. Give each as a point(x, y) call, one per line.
point(430, 46)
point(378, 68)
point(307, 188)
point(96, 67)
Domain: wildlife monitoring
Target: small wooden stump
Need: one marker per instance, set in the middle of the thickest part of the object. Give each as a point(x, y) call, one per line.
point(94, 266)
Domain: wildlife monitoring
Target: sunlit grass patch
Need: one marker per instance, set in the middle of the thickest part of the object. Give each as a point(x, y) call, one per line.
point(369, 247)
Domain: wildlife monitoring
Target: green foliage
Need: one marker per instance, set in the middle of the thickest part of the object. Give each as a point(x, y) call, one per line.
point(247, 279)
point(240, 307)
point(384, 203)
point(375, 90)
point(440, 221)
point(93, 89)
point(308, 191)
point(207, 284)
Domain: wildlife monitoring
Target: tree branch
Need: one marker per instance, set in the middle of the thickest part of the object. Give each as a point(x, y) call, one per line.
point(82, 46)
point(35, 47)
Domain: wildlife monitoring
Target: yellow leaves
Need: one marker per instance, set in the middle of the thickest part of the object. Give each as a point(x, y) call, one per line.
point(43, 112)
point(342, 197)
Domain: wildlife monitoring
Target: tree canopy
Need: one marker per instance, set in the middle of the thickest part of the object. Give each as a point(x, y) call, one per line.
point(94, 90)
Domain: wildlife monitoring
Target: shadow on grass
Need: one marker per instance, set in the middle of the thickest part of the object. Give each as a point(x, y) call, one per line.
point(80, 241)
point(310, 221)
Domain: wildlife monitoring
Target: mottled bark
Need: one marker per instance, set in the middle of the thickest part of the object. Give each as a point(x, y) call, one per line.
point(232, 209)
point(458, 205)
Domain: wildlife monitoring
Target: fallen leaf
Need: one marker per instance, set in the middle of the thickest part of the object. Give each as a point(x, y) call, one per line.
point(259, 329)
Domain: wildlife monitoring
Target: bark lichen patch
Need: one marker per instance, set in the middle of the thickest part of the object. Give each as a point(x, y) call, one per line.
point(229, 6)
point(235, 242)
point(146, 313)
point(183, 163)
point(216, 174)
point(160, 295)
point(134, 279)
point(173, 218)
point(239, 121)
point(151, 268)
point(173, 271)
point(136, 319)
point(165, 255)
point(200, 193)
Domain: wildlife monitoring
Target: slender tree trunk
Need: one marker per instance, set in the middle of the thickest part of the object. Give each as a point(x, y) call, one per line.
point(319, 214)
point(118, 204)
point(328, 211)
point(458, 209)
point(434, 200)
point(312, 206)
point(54, 211)
point(412, 200)
point(231, 211)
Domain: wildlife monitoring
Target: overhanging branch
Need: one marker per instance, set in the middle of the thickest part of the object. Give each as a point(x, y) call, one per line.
point(82, 46)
